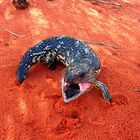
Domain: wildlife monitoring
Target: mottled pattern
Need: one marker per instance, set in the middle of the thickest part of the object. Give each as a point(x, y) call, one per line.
point(82, 64)
point(71, 50)
point(65, 49)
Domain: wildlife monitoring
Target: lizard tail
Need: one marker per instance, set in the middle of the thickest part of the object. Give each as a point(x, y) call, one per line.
point(32, 56)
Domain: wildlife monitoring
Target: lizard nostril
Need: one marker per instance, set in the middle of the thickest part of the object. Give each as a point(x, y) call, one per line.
point(69, 78)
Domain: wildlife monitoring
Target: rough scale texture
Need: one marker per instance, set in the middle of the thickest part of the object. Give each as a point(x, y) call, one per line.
point(68, 50)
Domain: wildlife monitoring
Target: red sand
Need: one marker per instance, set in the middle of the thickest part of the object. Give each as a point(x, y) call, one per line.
point(35, 109)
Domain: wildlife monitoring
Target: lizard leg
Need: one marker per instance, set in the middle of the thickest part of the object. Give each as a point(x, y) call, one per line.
point(104, 89)
point(52, 61)
point(52, 65)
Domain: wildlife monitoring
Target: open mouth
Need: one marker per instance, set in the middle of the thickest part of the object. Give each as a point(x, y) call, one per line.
point(72, 91)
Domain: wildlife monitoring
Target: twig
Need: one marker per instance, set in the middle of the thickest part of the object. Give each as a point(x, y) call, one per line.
point(108, 2)
point(137, 90)
point(103, 44)
point(15, 34)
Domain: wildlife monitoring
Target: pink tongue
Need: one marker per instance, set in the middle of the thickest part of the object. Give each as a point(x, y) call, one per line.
point(84, 86)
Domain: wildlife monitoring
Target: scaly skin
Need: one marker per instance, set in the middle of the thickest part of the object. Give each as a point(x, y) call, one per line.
point(82, 63)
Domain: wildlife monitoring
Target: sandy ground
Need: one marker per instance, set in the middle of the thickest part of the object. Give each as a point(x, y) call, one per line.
point(35, 109)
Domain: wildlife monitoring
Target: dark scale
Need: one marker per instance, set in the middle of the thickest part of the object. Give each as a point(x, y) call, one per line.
point(81, 61)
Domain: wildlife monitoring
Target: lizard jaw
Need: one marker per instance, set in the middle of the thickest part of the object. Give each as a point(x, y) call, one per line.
point(71, 92)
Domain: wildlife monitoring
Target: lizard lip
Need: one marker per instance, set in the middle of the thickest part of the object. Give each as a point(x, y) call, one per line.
point(71, 92)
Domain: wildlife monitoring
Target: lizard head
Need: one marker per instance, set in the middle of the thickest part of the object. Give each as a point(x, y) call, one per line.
point(76, 80)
